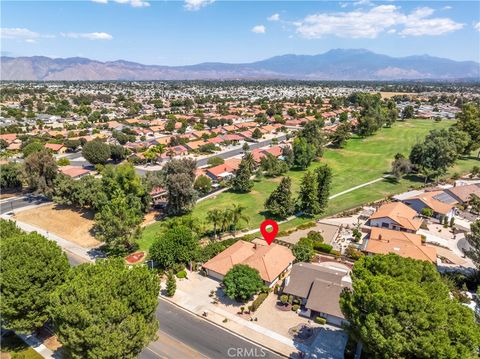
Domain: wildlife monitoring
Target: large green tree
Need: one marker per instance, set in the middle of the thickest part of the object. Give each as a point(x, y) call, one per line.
point(96, 152)
point(242, 182)
point(32, 267)
point(39, 171)
point(324, 181)
point(401, 308)
point(10, 176)
point(176, 245)
point(303, 250)
point(307, 196)
point(118, 223)
point(179, 180)
point(468, 120)
point(280, 202)
point(242, 282)
point(303, 153)
point(106, 310)
point(473, 239)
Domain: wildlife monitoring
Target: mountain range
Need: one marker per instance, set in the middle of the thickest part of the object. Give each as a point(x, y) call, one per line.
point(338, 64)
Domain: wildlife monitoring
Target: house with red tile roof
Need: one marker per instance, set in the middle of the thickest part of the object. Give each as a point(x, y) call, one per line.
point(55, 147)
point(75, 172)
point(270, 261)
point(428, 200)
point(396, 216)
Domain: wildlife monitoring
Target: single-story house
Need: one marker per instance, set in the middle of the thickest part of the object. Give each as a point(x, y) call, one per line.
point(428, 200)
point(396, 216)
point(270, 260)
point(408, 245)
point(318, 286)
point(56, 147)
point(462, 194)
point(75, 172)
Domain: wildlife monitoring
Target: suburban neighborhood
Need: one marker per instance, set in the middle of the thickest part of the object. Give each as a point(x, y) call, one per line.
point(220, 206)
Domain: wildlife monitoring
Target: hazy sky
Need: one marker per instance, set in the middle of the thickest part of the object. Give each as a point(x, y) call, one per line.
point(194, 31)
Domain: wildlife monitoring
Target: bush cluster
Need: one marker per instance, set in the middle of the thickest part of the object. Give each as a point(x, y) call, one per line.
point(258, 301)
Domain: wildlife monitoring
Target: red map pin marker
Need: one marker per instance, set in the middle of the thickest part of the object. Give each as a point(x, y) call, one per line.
point(269, 236)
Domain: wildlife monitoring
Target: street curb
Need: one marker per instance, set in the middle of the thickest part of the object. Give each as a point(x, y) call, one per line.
point(221, 327)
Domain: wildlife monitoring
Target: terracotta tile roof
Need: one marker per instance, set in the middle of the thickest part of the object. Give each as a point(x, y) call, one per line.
point(54, 146)
point(275, 150)
point(464, 192)
point(384, 241)
point(8, 137)
point(435, 205)
point(270, 260)
point(73, 171)
point(399, 213)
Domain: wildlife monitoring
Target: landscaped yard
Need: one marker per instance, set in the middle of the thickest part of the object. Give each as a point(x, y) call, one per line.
point(361, 160)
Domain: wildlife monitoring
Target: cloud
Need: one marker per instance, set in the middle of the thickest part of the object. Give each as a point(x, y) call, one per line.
point(18, 33)
point(259, 29)
point(31, 41)
point(133, 3)
point(88, 35)
point(477, 26)
point(194, 5)
point(373, 22)
point(274, 17)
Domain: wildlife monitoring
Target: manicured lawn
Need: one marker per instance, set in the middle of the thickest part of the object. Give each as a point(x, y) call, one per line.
point(361, 160)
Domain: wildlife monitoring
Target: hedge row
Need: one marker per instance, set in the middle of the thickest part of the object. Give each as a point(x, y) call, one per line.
point(258, 301)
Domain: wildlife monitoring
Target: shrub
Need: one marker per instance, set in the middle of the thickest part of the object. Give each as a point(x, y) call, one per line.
point(427, 212)
point(258, 301)
point(307, 225)
point(182, 274)
point(284, 298)
point(336, 253)
point(322, 247)
point(315, 236)
point(63, 162)
point(295, 307)
point(275, 289)
point(320, 320)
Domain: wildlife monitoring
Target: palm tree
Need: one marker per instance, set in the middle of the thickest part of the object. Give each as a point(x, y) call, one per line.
point(237, 216)
point(215, 216)
point(226, 219)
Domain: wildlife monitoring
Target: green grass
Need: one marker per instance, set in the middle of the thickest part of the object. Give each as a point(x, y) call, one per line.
point(17, 348)
point(361, 160)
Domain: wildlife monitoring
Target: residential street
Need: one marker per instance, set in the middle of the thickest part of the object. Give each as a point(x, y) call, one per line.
point(11, 204)
point(181, 332)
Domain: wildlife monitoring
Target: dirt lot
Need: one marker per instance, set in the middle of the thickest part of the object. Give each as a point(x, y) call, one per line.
point(391, 94)
point(72, 225)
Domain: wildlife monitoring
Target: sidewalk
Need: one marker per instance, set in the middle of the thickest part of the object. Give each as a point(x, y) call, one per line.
point(89, 254)
point(38, 346)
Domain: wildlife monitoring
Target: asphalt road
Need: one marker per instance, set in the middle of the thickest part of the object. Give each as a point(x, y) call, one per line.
point(9, 205)
point(197, 338)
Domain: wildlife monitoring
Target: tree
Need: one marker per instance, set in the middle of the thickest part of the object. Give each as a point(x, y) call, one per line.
point(401, 166)
point(408, 112)
point(303, 250)
point(312, 134)
point(473, 239)
point(245, 147)
point(435, 154)
point(468, 120)
point(10, 176)
point(118, 223)
point(324, 180)
point(242, 282)
point(175, 245)
point(303, 153)
point(273, 166)
point(215, 161)
point(341, 135)
point(106, 310)
point(307, 197)
point(280, 202)
point(32, 147)
point(179, 180)
point(96, 152)
point(288, 156)
point(242, 182)
point(256, 134)
point(39, 171)
point(32, 268)
point(118, 153)
point(237, 215)
point(401, 308)
point(171, 284)
point(214, 216)
point(203, 184)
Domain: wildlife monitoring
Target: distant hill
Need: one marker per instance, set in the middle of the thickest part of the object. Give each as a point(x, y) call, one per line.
point(339, 64)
